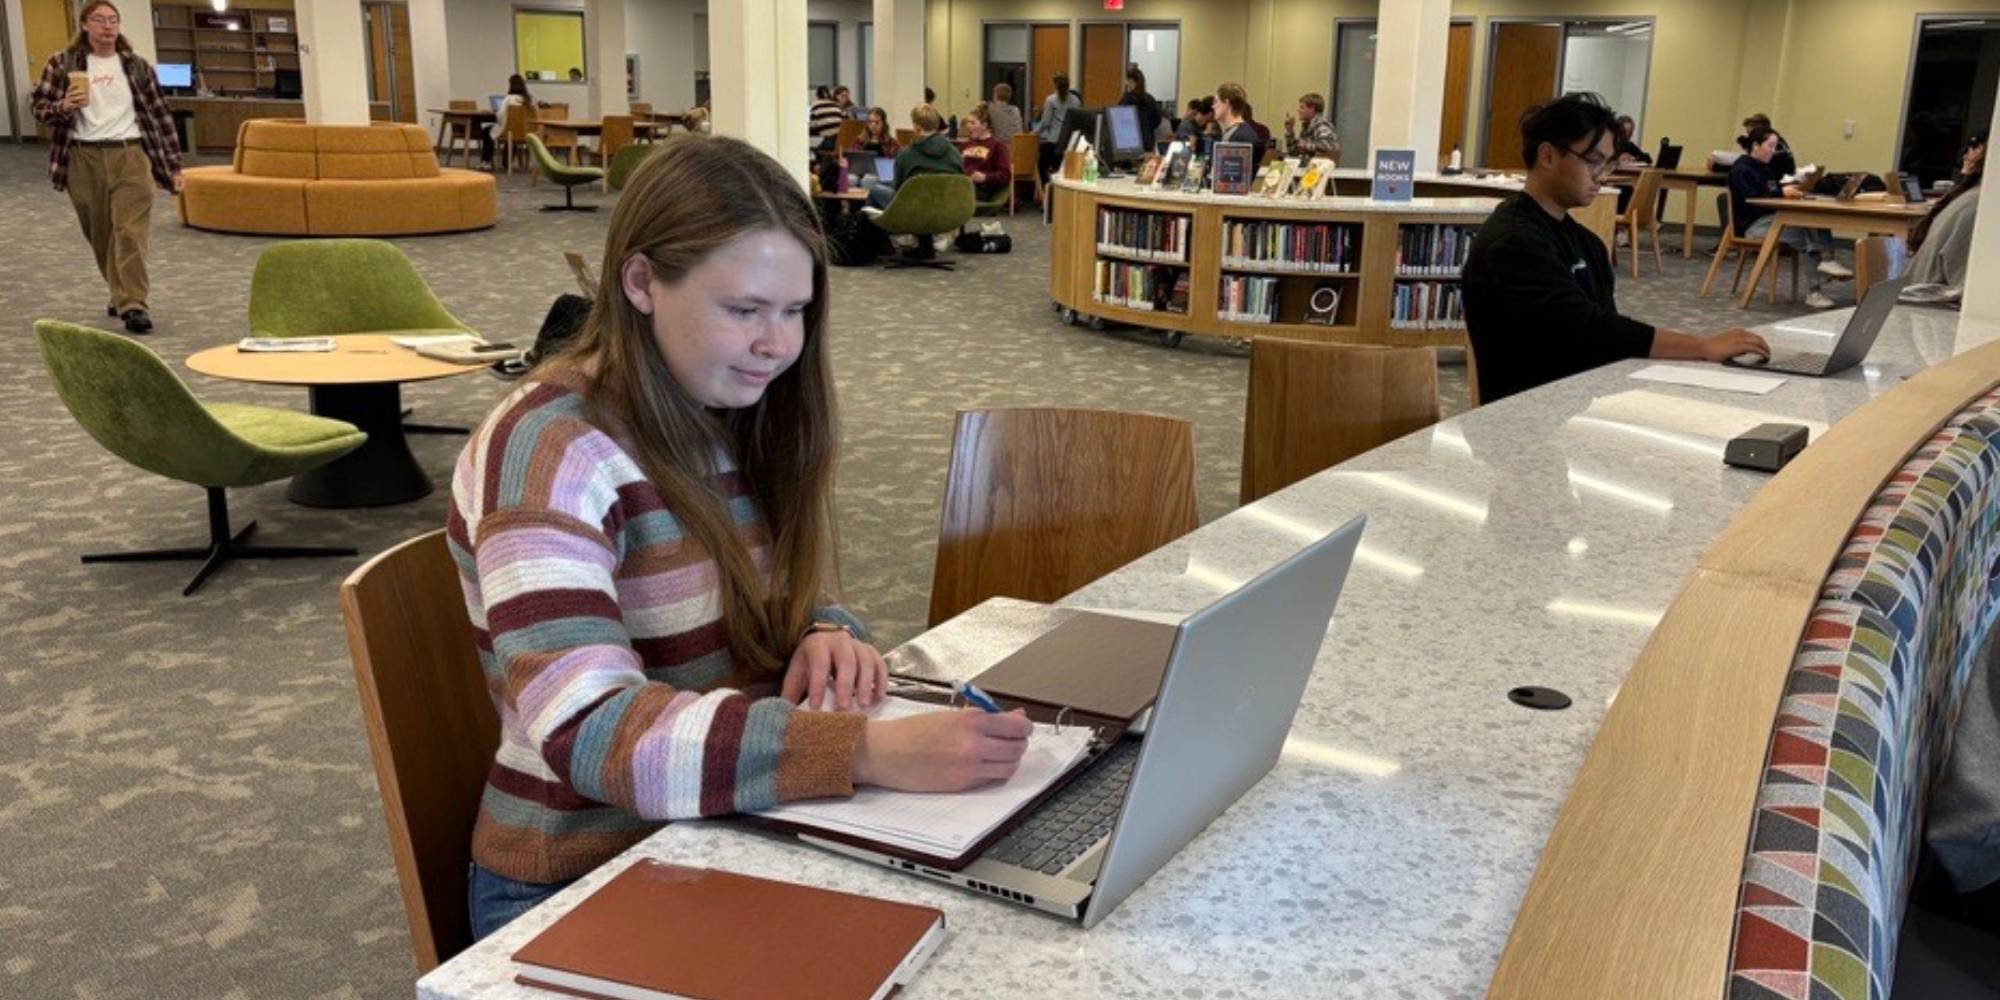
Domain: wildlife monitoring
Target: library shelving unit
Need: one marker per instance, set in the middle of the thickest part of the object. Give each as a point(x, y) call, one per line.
point(1341, 269)
point(233, 61)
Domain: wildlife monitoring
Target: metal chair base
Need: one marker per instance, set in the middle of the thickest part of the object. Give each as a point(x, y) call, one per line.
point(222, 548)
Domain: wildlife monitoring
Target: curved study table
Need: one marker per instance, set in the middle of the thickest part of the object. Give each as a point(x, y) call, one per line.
point(1536, 541)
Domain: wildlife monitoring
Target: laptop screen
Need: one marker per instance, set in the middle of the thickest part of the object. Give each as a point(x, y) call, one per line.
point(496, 100)
point(885, 169)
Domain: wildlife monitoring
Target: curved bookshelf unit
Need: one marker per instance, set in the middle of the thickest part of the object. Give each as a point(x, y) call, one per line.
point(1342, 269)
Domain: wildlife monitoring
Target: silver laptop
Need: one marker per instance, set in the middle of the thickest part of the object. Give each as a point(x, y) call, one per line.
point(885, 169)
point(1238, 667)
point(1849, 348)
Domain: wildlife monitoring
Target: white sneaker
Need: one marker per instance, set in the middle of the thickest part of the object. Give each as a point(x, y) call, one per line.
point(1817, 299)
point(1835, 269)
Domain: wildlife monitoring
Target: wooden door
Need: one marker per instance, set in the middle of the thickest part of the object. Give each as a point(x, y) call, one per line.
point(405, 109)
point(1103, 64)
point(380, 67)
point(1048, 54)
point(1457, 90)
point(1524, 61)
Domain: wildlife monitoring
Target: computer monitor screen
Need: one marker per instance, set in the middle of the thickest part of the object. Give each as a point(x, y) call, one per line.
point(1077, 120)
point(1125, 138)
point(286, 85)
point(175, 74)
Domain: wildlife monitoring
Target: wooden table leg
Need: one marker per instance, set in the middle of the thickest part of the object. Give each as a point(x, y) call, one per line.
point(444, 122)
point(1687, 224)
point(1764, 255)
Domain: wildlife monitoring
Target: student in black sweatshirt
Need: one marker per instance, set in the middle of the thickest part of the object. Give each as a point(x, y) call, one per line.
point(1755, 175)
point(1539, 302)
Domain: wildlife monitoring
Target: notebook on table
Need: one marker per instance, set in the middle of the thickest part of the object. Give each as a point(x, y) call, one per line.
point(663, 932)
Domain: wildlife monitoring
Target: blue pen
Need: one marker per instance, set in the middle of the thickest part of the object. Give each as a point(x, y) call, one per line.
point(975, 697)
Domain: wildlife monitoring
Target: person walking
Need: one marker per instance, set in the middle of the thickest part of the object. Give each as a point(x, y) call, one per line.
point(109, 129)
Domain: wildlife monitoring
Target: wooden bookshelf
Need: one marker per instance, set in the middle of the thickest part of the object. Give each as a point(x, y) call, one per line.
point(1366, 279)
point(238, 61)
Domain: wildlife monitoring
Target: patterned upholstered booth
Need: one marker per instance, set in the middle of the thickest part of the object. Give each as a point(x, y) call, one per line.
point(1865, 724)
point(292, 178)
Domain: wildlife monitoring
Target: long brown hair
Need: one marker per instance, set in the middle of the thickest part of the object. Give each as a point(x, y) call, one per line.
point(81, 44)
point(682, 204)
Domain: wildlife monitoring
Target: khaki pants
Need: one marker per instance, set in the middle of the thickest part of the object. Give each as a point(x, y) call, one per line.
point(112, 190)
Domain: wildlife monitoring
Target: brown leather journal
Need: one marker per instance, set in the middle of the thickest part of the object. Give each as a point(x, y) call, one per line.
point(658, 931)
point(1101, 665)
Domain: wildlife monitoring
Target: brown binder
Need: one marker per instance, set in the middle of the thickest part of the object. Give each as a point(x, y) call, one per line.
point(664, 931)
point(1096, 664)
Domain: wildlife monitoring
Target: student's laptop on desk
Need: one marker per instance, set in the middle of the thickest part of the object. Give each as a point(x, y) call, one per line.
point(1225, 703)
point(1849, 348)
point(885, 169)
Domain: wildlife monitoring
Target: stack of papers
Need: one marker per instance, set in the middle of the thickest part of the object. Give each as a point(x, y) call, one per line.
point(436, 340)
point(941, 824)
point(264, 345)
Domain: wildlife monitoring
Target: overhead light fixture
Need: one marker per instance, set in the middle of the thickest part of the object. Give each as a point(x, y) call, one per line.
point(219, 5)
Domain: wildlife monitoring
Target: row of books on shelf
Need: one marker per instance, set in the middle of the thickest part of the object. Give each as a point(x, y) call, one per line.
point(1142, 286)
point(1248, 299)
point(1433, 251)
point(1427, 305)
point(1304, 247)
point(1148, 234)
point(1311, 179)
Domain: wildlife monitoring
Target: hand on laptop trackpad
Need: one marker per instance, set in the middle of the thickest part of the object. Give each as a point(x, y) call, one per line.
point(1747, 360)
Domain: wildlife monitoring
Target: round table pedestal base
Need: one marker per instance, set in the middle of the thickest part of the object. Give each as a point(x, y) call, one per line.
point(379, 472)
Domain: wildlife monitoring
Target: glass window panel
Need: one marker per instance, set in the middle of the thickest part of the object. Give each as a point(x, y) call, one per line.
point(1157, 52)
point(1610, 58)
point(1353, 90)
point(548, 44)
point(823, 54)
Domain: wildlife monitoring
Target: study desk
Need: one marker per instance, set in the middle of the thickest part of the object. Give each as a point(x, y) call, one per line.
point(1861, 218)
point(1687, 181)
point(1535, 540)
point(469, 119)
point(361, 382)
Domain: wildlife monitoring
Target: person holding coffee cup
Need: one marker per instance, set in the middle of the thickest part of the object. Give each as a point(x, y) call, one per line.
point(109, 130)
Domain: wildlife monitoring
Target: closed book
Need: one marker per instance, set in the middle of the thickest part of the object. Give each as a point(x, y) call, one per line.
point(664, 932)
point(1103, 665)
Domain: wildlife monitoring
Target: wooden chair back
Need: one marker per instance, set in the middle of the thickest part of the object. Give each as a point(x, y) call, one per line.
point(1024, 153)
point(850, 133)
point(1876, 258)
point(905, 136)
point(1312, 406)
point(615, 135)
point(515, 128)
point(1040, 501)
point(459, 104)
point(431, 726)
point(1644, 206)
point(555, 140)
point(642, 109)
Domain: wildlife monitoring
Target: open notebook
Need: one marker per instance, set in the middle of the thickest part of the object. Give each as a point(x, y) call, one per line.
point(941, 824)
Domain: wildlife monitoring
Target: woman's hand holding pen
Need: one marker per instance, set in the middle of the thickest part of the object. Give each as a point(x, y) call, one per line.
point(945, 751)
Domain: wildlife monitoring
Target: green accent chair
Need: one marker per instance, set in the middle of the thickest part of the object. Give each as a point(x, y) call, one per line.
point(564, 174)
point(926, 206)
point(1000, 204)
point(325, 288)
point(627, 160)
point(137, 408)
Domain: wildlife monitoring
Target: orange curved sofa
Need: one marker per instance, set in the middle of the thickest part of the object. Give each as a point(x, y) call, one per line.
point(292, 178)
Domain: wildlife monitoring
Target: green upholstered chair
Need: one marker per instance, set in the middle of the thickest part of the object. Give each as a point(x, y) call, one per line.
point(325, 288)
point(1000, 204)
point(926, 206)
point(564, 174)
point(627, 160)
point(138, 409)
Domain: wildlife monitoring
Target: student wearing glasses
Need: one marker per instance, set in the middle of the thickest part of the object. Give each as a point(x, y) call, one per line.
point(1539, 303)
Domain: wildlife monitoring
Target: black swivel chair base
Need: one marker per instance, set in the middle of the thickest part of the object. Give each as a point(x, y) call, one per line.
point(569, 202)
point(410, 428)
point(925, 255)
point(223, 547)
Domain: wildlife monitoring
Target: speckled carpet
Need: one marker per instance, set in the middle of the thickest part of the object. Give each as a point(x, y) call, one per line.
point(186, 803)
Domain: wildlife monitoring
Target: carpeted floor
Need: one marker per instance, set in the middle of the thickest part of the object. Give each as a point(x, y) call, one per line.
point(186, 804)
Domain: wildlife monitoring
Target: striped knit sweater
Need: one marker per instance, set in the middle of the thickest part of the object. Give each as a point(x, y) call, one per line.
point(599, 628)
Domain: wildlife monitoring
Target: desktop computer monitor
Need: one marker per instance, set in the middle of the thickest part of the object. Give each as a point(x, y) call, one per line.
point(286, 85)
point(175, 74)
point(1125, 141)
point(1077, 120)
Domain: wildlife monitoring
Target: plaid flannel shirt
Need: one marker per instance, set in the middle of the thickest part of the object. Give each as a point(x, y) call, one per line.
point(1318, 136)
point(156, 122)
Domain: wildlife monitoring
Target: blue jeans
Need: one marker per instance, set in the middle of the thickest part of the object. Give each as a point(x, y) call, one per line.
point(879, 195)
point(1814, 243)
point(495, 900)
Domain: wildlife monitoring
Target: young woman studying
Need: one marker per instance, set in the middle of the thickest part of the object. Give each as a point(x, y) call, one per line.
point(644, 533)
point(876, 136)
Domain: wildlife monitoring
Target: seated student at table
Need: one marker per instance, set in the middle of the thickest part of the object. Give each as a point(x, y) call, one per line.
point(949, 123)
point(932, 153)
point(517, 97)
point(1048, 128)
point(824, 119)
point(1943, 240)
point(876, 136)
point(1539, 303)
point(1232, 119)
point(1756, 176)
point(1629, 155)
point(643, 529)
point(1006, 117)
point(1198, 125)
point(1783, 162)
point(986, 158)
point(1311, 131)
point(848, 109)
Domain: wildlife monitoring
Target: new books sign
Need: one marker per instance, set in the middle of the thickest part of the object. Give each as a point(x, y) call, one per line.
point(1395, 174)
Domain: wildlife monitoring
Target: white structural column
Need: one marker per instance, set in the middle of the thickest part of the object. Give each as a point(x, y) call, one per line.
point(135, 21)
point(757, 77)
point(333, 62)
point(1982, 297)
point(1413, 38)
point(604, 25)
point(898, 58)
point(430, 58)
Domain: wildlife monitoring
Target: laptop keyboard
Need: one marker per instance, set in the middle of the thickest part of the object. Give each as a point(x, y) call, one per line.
point(1801, 361)
point(1075, 819)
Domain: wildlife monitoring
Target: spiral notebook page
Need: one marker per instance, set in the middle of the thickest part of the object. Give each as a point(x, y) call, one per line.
point(946, 824)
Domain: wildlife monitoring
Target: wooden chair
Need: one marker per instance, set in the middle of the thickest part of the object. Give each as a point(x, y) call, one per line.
point(558, 142)
point(1877, 258)
point(1040, 501)
point(514, 136)
point(1641, 215)
point(431, 727)
point(905, 136)
point(1024, 153)
point(458, 135)
point(1312, 406)
point(616, 134)
point(850, 133)
point(1746, 249)
point(642, 109)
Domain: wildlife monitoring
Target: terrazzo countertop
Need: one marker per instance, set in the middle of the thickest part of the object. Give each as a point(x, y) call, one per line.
point(1536, 540)
point(1473, 209)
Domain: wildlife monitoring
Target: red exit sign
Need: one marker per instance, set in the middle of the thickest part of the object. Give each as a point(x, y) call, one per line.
point(1114, 4)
